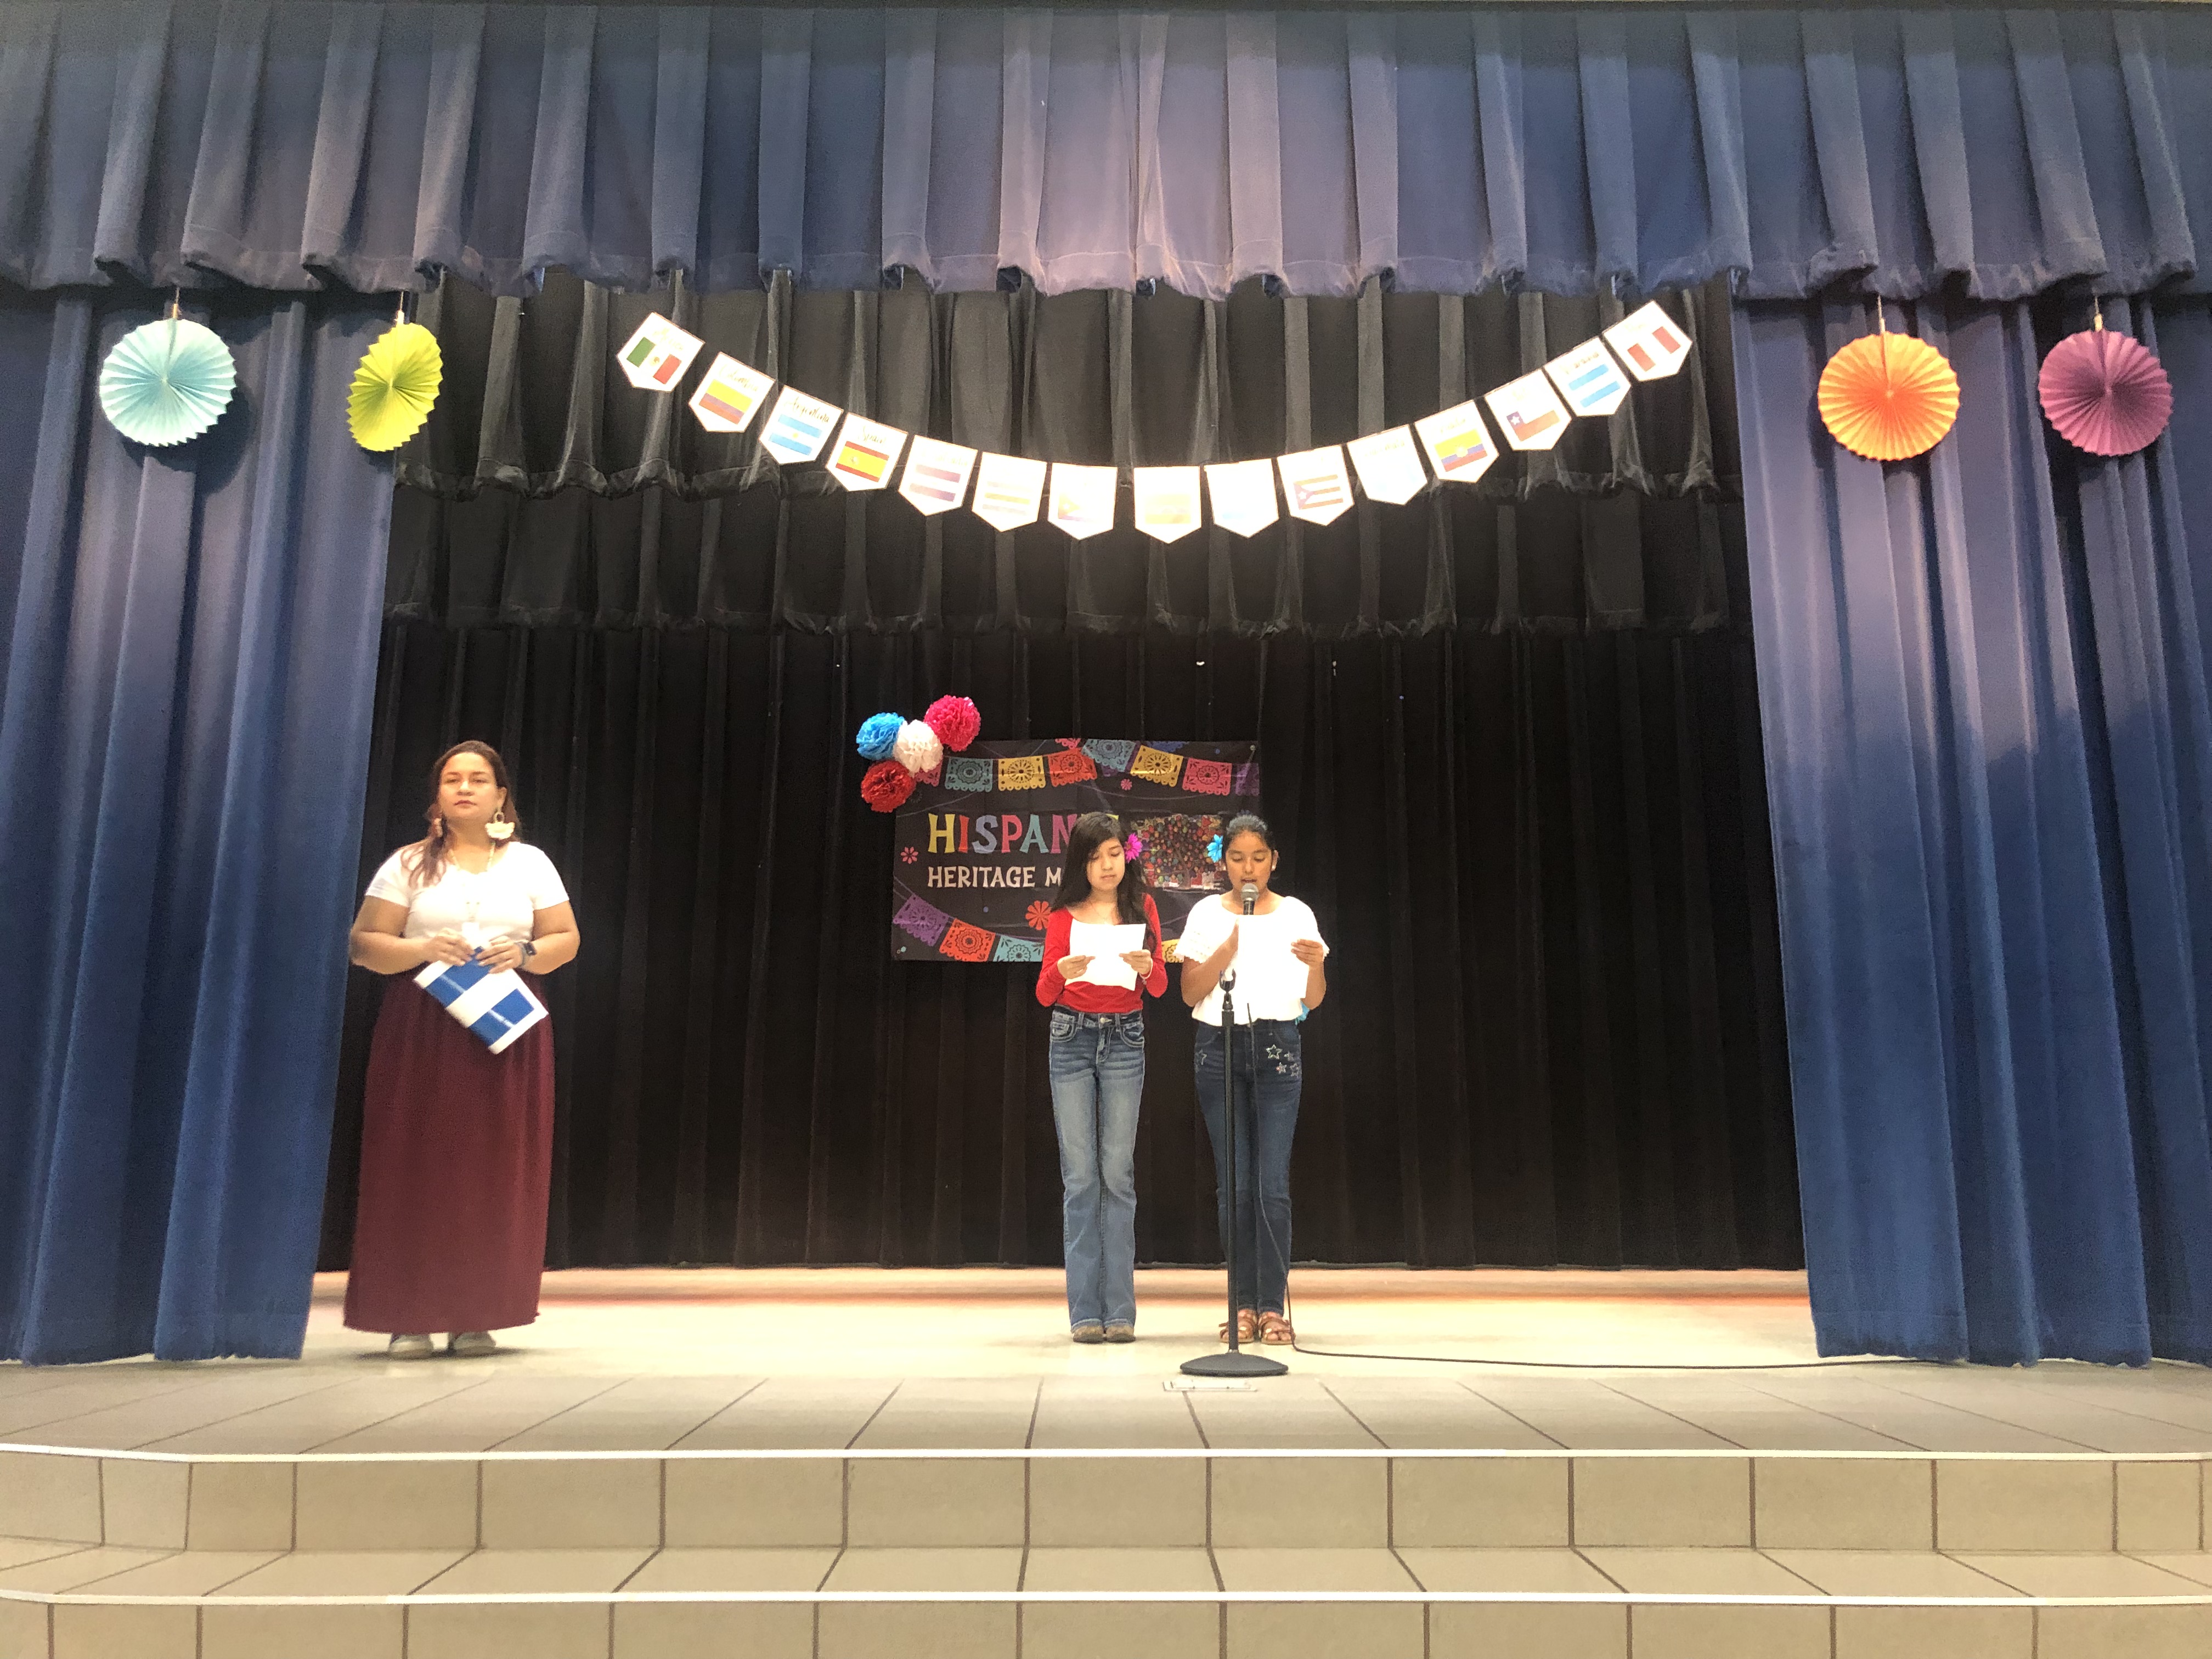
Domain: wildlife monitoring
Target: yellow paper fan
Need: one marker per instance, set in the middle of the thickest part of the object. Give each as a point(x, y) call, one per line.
point(395, 386)
point(1889, 397)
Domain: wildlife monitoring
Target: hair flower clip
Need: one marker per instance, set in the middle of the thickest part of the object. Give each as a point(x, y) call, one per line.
point(1213, 850)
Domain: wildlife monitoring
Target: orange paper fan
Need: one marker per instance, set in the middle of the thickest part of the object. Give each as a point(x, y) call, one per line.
point(1889, 397)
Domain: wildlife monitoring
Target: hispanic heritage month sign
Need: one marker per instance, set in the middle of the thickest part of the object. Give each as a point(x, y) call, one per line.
point(980, 845)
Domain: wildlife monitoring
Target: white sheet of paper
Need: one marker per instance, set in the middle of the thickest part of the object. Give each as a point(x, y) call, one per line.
point(1104, 943)
point(1267, 974)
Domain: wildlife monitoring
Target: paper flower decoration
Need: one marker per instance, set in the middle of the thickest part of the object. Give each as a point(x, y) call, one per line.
point(917, 747)
point(2105, 392)
point(1889, 397)
point(394, 388)
point(166, 381)
point(955, 721)
point(877, 734)
point(886, 784)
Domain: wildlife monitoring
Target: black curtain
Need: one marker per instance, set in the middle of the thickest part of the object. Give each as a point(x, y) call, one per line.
point(1508, 735)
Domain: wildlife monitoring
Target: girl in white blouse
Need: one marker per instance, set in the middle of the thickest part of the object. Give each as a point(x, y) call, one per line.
point(1278, 953)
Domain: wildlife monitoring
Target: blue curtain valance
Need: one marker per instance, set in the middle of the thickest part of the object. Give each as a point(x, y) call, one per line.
point(284, 145)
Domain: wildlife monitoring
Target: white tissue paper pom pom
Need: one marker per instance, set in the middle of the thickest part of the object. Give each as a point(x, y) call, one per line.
point(918, 749)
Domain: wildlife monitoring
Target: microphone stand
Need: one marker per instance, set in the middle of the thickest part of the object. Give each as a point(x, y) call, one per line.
point(1236, 1362)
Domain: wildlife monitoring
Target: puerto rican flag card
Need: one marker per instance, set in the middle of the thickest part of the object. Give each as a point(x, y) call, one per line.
point(1316, 485)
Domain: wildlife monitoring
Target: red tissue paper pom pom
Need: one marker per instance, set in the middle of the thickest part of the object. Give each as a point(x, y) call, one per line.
point(886, 784)
point(955, 721)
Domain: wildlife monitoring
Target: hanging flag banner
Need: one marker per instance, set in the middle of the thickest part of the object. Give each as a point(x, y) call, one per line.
point(658, 354)
point(1588, 379)
point(1167, 501)
point(730, 396)
point(979, 854)
point(1244, 496)
point(1649, 342)
point(1082, 498)
point(1315, 484)
point(798, 427)
point(1459, 443)
point(1007, 491)
point(1389, 466)
point(1530, 411)
point(865, 453)
point(935, 479)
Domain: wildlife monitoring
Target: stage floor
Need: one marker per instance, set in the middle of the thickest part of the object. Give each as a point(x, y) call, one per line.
point(824, 1358)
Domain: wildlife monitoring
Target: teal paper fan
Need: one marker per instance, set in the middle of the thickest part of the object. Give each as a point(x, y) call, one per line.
point(167, 382)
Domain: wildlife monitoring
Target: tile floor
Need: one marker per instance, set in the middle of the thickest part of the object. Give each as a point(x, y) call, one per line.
point(711, 1359)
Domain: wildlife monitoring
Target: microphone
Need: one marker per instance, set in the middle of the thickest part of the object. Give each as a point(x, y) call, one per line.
point(1250, 892)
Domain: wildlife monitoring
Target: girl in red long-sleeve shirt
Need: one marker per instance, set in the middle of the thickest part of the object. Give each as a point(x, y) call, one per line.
point(1097, 1072)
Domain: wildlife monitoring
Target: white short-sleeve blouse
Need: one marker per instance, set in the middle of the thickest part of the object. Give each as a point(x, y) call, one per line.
point(1207, 928)
point(499, 904)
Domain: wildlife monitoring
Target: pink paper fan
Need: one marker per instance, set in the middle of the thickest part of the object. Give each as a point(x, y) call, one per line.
point(2105, 392)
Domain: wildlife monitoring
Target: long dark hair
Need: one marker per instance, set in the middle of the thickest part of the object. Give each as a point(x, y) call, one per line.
point(425, 862)
point(1091, 832)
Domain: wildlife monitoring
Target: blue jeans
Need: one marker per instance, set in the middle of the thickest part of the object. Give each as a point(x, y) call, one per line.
point(1266, 1120)
point(1098, 1071)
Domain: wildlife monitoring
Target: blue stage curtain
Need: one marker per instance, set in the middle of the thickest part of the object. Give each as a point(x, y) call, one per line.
point(281, 144)
point(188, 644)
point(1988, 753)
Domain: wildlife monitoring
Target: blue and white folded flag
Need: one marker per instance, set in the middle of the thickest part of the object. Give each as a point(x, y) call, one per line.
point(498, 1007)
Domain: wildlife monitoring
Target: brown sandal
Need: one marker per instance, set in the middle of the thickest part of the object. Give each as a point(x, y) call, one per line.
point(1275, 1330)
point(1248, 1325)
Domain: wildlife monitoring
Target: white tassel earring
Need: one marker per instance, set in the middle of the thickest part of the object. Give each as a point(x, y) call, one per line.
point(502, 826)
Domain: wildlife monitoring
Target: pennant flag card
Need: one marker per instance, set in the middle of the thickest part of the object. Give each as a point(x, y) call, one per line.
point(1649, 342)
point(1167, 501)
point(1530, 411)
point(865, 453)
point(1588, 379)
point(1008, 491)
point(1244, 496)
point(1082, 498)
point(798, 427)
point(657, 355)
point(1460, 446)
point(730, 396)
point(1315, 484)
point(937, 475)
point(1388, 466)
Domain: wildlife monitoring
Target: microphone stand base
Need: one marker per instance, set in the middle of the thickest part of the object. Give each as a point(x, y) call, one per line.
point(1235, 1362)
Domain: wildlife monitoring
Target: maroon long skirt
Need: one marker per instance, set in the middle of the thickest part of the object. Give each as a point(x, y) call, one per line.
point(456, 1161)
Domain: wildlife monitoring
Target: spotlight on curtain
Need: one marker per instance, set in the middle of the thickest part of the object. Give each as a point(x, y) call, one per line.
point(187, 652)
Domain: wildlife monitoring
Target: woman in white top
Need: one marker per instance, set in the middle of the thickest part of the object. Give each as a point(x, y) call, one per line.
point(457, 1140)
point(1278, 953)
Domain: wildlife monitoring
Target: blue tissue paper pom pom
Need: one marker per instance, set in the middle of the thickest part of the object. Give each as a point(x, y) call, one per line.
point(877, 733)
